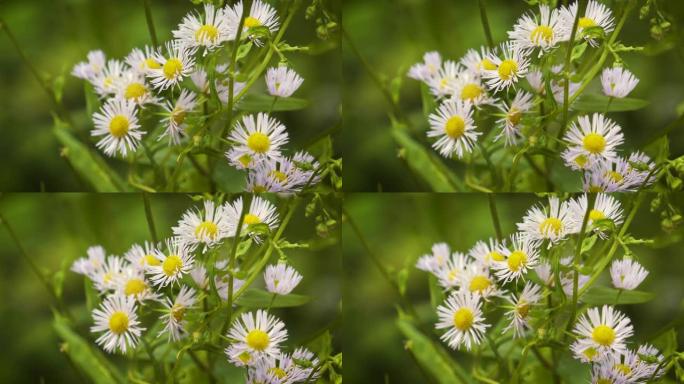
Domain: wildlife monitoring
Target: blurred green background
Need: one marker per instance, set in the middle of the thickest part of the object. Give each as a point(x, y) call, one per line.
point(55, 229)
point(56, 34)
point(394, 34)
point(399, 228)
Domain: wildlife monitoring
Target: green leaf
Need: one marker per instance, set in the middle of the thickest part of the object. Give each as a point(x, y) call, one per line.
point(402, 279)
point(263, 103)
point(92, 101)
point(436, 292)
point(321, 345)
point(84, 355)
point(425, 163)
point(667, 342)
point(257, 298)
point(606, 295)
point(430, 355)
point(429, 103)
point(598, 103)
point(89, 165)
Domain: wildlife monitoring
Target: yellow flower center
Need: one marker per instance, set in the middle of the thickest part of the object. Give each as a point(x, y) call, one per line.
point(479, 283)
point(581, 160)
point(245, 357)
point(595, 188)
point(487, 65)
point(280, 176)
point(118, 127)
point(455, 127)
point(172, 68)
point(152, 63)
point(523, 308)
point(603, 380)
point(245, 160)
point(278, 372)
point(172, 265)
point(471, 91)
point(151, 260)
point(259, 189)
point(516, 260)
point(178, 115)
point(257, 339)
point(623, 368)
point(542, 32)
point(108, 82)
point(585, 22)
point(603, 335)
point(615, 176)
point(494, 255)
point(594, 143)
point(108, 277)
point(135, 91)
point(251, 22)
point(507, 69)
point(206, 228)
point(463, 319)
point(514, 116)
point(134, 287)
point(251, 219)
point(207, 32)
point(453, 273)
point(595, 215)
point(118, 322)
point(258, 142)
point(590, 353)
point(178, 312)
point(551, 224)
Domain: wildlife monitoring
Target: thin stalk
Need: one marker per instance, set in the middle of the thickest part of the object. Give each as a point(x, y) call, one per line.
point(270, 304)
point(233, 59)
point(591, 198)
point(231, 261)
point(492, 346)
point(581, 8)
point(492, 168)
point(150, 22)
point(485, 23)
point(495, 216)
point(149, 217)
point(158, 371)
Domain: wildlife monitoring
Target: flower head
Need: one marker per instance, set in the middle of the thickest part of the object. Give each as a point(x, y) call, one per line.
point(282, 81)
point(118, 123)
point(627, 274)
point(281, 278)
point(521, 255)
point(257, 139)
point(618, 82)
point(432, 62)
point(606, 330)
point(551, 224)
point(519, 315)
point(176, 116)
point(174, 67)
point(117, 318)
point(209, 227)
point(543, 32)
point(453, 126)
point(176, 262)
point(257, 334)
point(511, 65)
point(175, 313)
point(461, 315)
point(208, 31)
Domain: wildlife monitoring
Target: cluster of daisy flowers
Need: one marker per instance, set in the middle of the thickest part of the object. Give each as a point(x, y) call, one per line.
point(485, 81)
point(491, 273)
point(178, 82)
point(174, 278)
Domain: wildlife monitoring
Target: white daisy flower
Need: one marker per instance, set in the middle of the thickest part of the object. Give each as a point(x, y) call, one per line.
point(174, 68)
point(206, 228)
point(536, 80)
point(518, 316)
point(605, 330)
point(605, 207)
point(132, 283)
point(223, 285)
point(118, 123)
point(487, 253)
point(258, 139)
point(521, 255)
point(654, 358)
point(461, 314)
point(282, 81)
point(442, 85)
point(240, 357)
point(132, 87)
point(281, 278)
point(261, 211)
point(93, 263)
point(543, 32)
point(468, 87)
point(476, 62)
point(627, 274)
point(620, 175)
point(280, 176)
point(454, 127)
point(435, 261)
point(585, 354)
point(142, 61)
point(259, 334)
point(176, 115)
point(91, 69)
point(176, 262)
point(595, 138)
point(552, 224)
point(261, 14)
point(223, 89)
point(199, 276)
point(208, 31)
point(513, 114)
point(306, 361)
point(476, 279)
point(432, 63)
point(628, 366)
point(596, 15)
point(106, 278)
point(567, 282)
point(280, 370)
point(450, 275)
point(117, 317)
point(618, 82)
point(604, 373)
point(174, 316)
point(142, 256)
point(543, 271)
point(105, 82)
point(576, 161)
point(511, 65)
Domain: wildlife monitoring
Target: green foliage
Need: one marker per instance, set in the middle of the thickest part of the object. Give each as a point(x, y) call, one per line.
point(607, 295)
point(601, 103)
point(257, 298)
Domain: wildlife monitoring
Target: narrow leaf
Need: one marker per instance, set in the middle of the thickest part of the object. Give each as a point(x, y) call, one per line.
point(263, 103)
point(598, 103)
point(606, 295)
point(257, 298)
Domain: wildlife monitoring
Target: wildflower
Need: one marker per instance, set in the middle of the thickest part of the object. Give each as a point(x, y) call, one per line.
point(436, 260)
point(257, 334)
point(118, 123)
point(117, 317)
point(476, 279)
point(476, 62)
point(176, 262)
point(606, 208)
point(596, 138)
point(552, 224)
point(174, 68)
point(519, 315)
point(513, 114)
point(90, 265)
point(605, 330)
point(106, 81)
point(543, 32)
point(596, 16)
point(261, 14)
point(175, 313)
point(627, 274)
point(282, 81)
point(208, 31)
point(454, 127)
point(132, 283)
point(432, 62)
point(281, 278)
point(618, 82)
point(468, 88)
point(450, 275)
point(176, 115)
point(143, 61)
point(258, 139)
point(207, 228)
point(142, 257)
point(487, 253)
point(461, 315)
point(511, 65)
point(261, 211)
point(522, 255)
point(106, 278)
point(132, 87)
point(91, 69)
point(442, 85)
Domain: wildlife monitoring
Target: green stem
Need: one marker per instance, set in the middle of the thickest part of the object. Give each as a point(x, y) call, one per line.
point(485, 23)
point(492, 346)
point(270, 304)
point(150, 22)
point(495, 216)
point(149, 217)
point(582, 6)
point(158, 371)
point(233, 60)
point(591, 198)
